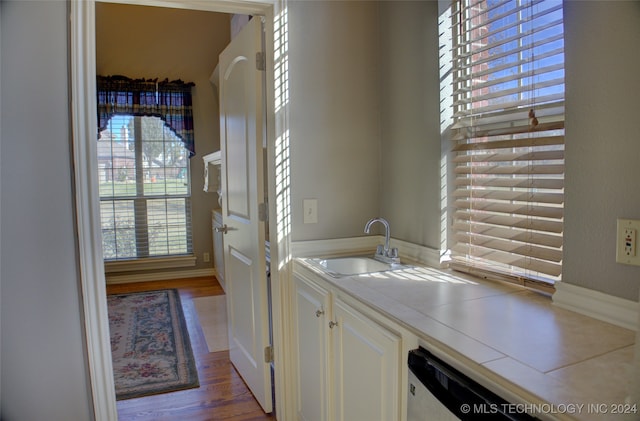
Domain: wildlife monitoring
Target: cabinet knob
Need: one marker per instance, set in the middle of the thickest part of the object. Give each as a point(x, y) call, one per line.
point(332, 324)
point(319, 312)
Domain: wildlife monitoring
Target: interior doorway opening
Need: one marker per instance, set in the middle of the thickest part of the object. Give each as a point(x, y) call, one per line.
point(83, 74)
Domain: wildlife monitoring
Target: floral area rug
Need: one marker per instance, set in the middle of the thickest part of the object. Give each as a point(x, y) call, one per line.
point(150, 345)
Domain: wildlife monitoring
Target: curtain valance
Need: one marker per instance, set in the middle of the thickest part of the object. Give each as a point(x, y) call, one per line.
point(171, 101)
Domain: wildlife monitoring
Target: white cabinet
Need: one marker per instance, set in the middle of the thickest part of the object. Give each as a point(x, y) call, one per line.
point(348, 364)
point(311, 304)
point(365, 367)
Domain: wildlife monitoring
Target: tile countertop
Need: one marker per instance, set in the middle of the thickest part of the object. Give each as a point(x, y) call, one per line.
point(572, 367)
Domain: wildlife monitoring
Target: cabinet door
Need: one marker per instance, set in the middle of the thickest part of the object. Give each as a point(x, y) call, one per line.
point(366, 367)
point(311, 307)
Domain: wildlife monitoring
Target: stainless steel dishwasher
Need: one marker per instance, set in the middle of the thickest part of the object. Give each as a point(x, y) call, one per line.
point(439, 392)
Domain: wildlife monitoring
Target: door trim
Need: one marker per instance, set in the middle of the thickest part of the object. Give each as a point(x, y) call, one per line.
point(84, 129)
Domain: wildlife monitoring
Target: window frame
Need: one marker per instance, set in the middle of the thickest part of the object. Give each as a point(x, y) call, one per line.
point(461, 74)
point(142, 243)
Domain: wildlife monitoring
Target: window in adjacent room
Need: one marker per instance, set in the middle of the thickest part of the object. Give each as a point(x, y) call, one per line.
point(503, 78)
point(145, 203)
point(144, 145)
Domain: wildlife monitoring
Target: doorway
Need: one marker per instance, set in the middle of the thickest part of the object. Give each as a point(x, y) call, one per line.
point(146, 158)
point(92, 276)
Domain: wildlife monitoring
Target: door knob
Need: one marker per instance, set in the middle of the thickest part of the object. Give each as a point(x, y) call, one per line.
point(223, 229)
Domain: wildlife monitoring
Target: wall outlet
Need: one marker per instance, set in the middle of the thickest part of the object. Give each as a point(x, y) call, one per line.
point(206, 257)
point(627, 242)
point(630, 242)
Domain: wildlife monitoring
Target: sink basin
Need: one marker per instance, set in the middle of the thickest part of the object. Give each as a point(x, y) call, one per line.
point(346, 266)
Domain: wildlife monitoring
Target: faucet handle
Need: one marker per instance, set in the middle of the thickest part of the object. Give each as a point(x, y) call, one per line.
point(380, 250)
point(393, 252)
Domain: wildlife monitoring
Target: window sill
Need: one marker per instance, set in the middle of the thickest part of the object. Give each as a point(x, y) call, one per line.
point(151, 263)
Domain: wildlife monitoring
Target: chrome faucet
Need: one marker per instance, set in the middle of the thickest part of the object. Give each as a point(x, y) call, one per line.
point(383, 253)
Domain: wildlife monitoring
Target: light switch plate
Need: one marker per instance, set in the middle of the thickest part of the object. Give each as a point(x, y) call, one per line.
point(627, 242)
point(310, 209)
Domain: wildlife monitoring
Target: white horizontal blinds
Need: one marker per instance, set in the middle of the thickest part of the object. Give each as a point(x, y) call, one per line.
point(508, 133)
point(144, 190)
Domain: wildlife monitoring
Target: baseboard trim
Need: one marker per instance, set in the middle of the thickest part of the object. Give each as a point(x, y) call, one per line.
point(149, 263)
point(159, 276)
point(364, 245)
point(601, 306)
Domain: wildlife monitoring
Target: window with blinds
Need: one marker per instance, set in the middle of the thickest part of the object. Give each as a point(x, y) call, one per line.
point(145, 200)
point(507, 86)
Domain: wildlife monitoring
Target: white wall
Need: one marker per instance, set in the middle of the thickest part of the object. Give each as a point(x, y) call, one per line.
point(365, 137)
point(334, 117)
point(602, 52)
point(410, 128)
point(43, 360)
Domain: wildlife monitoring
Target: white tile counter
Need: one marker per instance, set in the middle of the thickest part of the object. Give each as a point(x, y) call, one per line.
point(510, 337)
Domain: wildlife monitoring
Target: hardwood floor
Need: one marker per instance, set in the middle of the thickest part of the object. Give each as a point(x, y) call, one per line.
point(222, 394)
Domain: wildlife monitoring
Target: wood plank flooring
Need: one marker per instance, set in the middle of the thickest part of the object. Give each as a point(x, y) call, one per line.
point(222, 394)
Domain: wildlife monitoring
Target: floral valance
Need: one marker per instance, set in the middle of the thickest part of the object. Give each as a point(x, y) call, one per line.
point(171, 101)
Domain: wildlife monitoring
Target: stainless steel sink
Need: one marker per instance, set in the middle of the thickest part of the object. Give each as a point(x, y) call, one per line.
point(347, 266)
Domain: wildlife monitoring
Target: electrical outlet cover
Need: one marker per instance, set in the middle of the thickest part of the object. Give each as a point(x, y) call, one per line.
point(627, 242)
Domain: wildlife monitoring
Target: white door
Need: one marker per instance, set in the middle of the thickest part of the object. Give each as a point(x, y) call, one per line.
point(241, 143)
